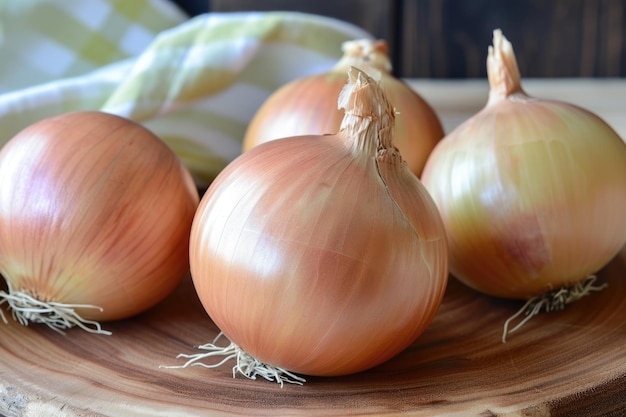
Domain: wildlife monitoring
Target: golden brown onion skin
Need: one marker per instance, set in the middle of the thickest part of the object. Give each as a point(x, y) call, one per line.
point(532, 191)
point(322, 255)
point(533, 195)
point(94, 209)
point(308, 106)
point(314, 270)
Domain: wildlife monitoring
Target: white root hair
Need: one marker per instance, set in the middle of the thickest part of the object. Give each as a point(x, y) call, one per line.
point(58, 316)
point(551, 301)
point(246, 364)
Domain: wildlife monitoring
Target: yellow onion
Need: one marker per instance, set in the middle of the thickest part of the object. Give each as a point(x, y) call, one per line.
point(308, 105)
point(95, 216)
point(320, 255)
point(532, 191)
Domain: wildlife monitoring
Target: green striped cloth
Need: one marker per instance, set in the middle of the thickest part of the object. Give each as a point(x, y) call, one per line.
point(195, 82)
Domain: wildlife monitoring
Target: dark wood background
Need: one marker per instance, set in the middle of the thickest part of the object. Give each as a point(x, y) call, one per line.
point(449, 38)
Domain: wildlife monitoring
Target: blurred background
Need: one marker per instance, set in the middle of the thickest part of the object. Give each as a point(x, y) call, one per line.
point(446, 38)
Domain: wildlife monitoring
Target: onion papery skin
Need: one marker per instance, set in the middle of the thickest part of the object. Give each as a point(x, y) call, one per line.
point(532, 193)
point(96, 210)
point(303, 259)
point(308, 106)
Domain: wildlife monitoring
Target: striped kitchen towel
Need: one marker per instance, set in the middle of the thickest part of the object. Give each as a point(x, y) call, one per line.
point(195, 82)
point(45, 40)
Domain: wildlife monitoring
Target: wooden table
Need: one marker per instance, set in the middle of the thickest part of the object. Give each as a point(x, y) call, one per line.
point(569, 363)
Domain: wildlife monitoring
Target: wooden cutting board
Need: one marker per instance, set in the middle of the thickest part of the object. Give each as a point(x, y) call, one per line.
point(569, 363)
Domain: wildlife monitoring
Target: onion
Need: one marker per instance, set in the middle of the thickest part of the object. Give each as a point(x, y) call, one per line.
point(532, 192)
point(308, 106)
point(320, 255)
point(95, 216)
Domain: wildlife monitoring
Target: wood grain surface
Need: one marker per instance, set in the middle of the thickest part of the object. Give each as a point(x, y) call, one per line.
point(569, 363)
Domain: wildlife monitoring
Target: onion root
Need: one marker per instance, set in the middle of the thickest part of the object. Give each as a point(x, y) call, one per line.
point(551, 301)
point(58, 316)
point(246, 364)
